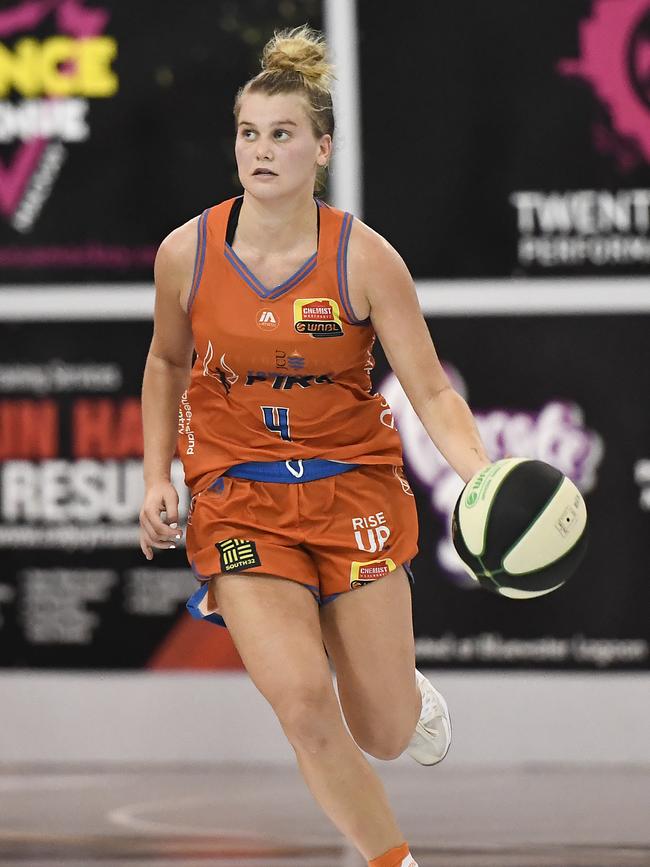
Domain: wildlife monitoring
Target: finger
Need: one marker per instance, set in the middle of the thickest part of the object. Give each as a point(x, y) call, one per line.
point(154, 538)
point(170, 500)
point(156, 543)
point(177, 532)
point(146, 549)
point(156, 528)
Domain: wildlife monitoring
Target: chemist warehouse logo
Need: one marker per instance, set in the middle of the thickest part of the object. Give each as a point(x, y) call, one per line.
point(318, 317)
point(46, 83)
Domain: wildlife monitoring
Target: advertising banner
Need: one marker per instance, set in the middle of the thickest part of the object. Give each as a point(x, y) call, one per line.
point(77, 593)
point(520, 136)
point(545, 388)
point(116, 126)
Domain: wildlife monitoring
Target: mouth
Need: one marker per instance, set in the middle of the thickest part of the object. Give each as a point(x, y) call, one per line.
point(264, 172)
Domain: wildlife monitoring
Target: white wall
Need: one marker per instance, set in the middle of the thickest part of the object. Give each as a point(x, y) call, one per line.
point(507, 718)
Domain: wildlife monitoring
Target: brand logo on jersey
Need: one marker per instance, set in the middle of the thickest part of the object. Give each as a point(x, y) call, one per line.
point(295, 361)
point(318, 317)
point(398, 472)
point(371, 533)
point(267, 320)
point(284, 382)
point(226, 375)
point(366, 573)
point(237, 554)
point(386, 415)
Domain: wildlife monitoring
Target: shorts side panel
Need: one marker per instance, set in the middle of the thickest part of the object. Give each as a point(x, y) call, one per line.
point(247, 526)
point(359, 526)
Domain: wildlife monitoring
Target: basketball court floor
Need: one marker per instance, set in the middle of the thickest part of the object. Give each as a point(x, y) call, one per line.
point(262, 816)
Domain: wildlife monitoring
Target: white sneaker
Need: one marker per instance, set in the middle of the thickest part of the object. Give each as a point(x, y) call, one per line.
point(432, 737)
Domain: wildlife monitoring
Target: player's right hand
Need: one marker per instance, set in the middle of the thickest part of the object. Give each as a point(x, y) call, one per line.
point(154, 532)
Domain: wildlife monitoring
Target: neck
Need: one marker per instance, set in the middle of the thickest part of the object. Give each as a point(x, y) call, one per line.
point(276, 226)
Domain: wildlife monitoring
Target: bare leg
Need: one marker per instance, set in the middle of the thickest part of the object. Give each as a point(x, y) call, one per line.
point(275, 626)
point(369, 637)
point(351, 793)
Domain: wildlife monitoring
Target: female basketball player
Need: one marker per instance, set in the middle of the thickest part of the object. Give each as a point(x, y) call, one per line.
point(302, 524)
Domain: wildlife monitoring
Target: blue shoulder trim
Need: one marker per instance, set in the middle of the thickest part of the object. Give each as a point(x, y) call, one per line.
point(342, 270)
point(199, 259)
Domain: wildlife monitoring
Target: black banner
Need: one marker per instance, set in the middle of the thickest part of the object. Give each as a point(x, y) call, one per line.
point(545, 388)
point(509, 138)
point(116, 126)
point(76, 591)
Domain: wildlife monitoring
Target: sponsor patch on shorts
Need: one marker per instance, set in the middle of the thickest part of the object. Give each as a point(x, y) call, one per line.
point(371, 570)
point(237, 554)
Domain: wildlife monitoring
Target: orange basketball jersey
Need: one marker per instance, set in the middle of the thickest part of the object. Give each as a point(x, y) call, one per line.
point(282, 373)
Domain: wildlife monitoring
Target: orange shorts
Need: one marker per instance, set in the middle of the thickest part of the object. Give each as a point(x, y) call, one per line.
point(331, 534)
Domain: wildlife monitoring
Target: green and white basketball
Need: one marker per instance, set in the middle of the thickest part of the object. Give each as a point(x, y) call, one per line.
point(520, 528)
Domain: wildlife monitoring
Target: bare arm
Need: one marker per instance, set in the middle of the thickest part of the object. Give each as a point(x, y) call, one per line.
point(398, 322)
point(166, 376)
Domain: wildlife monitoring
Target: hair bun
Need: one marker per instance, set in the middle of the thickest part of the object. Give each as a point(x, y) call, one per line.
point(302, 51)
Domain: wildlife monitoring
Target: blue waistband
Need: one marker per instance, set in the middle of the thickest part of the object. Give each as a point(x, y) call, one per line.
point(288, 472)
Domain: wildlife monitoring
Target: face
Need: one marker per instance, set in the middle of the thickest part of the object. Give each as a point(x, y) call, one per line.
point(276, 150)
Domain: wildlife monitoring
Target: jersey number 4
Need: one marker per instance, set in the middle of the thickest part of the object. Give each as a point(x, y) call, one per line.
point(276, 419)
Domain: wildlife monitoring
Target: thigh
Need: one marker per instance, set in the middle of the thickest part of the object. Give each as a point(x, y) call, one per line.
point(275, 626)
point(359, 527)
point(369, 638)
point(239, 526)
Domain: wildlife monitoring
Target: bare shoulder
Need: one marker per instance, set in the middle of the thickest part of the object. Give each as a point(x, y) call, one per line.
point(173, 269)
point(374, 267)
point(180, 241)
point(391, 298)
point(366, 243)
point(174, 264)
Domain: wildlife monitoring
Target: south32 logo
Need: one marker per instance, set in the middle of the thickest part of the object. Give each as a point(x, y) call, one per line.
point(237, 554)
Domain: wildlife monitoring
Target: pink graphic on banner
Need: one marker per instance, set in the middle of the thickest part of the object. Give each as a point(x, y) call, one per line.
point(25, 16)
point(615, 61)
point(89, 255)
point(14, 178)
point(555, 433)
point(71, 17)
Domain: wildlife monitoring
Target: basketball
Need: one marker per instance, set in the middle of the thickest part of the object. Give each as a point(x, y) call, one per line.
point(520, 528)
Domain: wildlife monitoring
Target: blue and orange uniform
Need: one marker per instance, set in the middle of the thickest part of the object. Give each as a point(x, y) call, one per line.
point(293, 463)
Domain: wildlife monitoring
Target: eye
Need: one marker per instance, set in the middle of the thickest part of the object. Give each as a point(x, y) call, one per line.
point(281, 132)
point(247, 134)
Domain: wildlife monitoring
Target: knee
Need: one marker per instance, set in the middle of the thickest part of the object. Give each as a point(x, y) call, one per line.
point(385, 743)
point(310, 718)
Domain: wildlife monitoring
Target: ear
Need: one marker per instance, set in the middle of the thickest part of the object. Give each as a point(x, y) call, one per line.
point(324, 150)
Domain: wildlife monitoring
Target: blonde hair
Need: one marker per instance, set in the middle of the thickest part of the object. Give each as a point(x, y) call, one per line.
point(295, 61)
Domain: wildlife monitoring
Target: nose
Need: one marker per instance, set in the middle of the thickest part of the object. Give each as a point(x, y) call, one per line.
point(264, 150)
